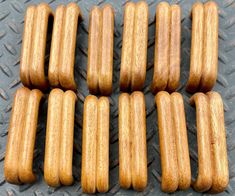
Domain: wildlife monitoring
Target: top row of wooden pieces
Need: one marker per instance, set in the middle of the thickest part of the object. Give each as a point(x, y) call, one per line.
point(166, 74)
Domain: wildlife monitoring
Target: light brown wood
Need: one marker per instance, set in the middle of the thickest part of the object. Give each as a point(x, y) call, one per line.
point(38, 41)
point(166, 74)
point(138, 142)
point(220, 171)
point(34, 46)
point(28, 137)
point(89, 140)
point(213, 174)
point(11, 163)
point(196, 47)
point(174, 53)
point(162, 47)
point(59, 138)
point(102, 149)
point(170, 176)
point(57, 33)
point(210, 47)
point(134, 49)
point(132, 141)
point(204, 178)
point(181, 140)
point(204, 47)
point(21, 137)
point(124, 137)
point(52, 146)
point(106, 67)
point(66, 138)
point(100, 50)
point(138, 69)
point(68, 44)
point(127, 46)
point(26, 46)
point(95, 145)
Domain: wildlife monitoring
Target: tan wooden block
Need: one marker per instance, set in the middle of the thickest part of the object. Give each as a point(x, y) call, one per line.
point(134, 46)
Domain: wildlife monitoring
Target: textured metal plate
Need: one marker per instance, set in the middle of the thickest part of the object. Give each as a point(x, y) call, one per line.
point(11, 27)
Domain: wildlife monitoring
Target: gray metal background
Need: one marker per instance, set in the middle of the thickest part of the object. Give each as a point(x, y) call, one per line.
point(11, 28)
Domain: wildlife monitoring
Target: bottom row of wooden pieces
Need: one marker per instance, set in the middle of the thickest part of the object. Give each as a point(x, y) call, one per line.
point(213, 175)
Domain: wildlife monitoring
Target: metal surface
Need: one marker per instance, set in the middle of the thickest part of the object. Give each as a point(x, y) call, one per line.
point(11, 27)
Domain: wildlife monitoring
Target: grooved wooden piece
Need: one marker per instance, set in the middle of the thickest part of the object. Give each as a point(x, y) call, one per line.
point(21, 137)
point(212, 150)
point(34, 45)
point(62, 54)
point(204, 47)
point(95, 145)
point(100, 50)
point(59, 138)
point(134, 46)
point(175, 162)
point(132, 141)
point(166, 73)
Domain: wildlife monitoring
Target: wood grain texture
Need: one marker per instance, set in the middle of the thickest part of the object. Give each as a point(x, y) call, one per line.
point(124, 137)
point(181, 140)
point(18, 166)
point(95, 145)
point(132, 141)
point(170, 179)
point(135, 43)
point(210, 46)
point(66, 138)
point(138, 141)
point(127, 46)
point(68, 44)
point(28, 137)
point(52, 145)
point(102, 154)
point(204, 47)
point(213, 174)
point(220, 170)
point(34, 46)
point(166, 74)
point(11, 163)
point(100, 50)
point(38, 41)
point(204, 178)
point(59, 138)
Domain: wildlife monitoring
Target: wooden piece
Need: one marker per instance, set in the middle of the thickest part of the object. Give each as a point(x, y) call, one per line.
point(52, 146)
point(170, 179)
point(95, 145)
point(124, 136)
point(21, 137)
point(204, 47)
point(66, 138)
point(166, 73)
point(210, 47)
point(219, 157)
point(61, 65)
point(204, 178)
point(34, 46)
point(102, 150)
point(100, 50)
point(132, 141)
point(134, 49)
point(138, 142)
point(11, 163)
point(59, 138)
point(28, 137)
point(181, 140)
point(175, 161)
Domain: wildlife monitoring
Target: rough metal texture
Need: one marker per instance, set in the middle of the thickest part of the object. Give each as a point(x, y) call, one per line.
point(12, 22)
